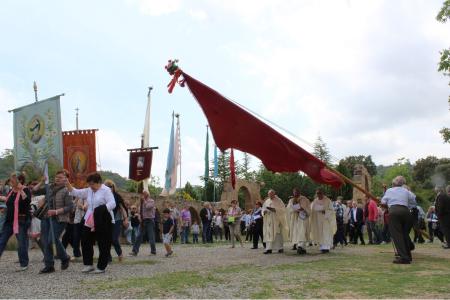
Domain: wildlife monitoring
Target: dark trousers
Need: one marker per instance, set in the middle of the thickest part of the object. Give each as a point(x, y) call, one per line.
point(444, 223)
point(339, 235)
point(258, 233)
point(435, 232)
point(175, 231)
point(67, 238)
point(88, 238)
point(226, 232)
point(385, 234)
point(206, 232)
point(116, 235)
point(47, 241)
point(349, 231)
point(72, 236)
point(400, 224)
point(417, 227)
point(249, 234)
point(357, 233)
point(373, 232)
point(22, 239)
point(148, 227)
point(217, 232)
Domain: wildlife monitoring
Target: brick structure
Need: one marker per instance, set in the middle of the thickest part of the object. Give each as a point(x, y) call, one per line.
point(363, 179)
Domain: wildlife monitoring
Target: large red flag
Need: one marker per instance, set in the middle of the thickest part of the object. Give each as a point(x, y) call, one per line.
point(233, 127)
point(79, 154)
point(232, 170)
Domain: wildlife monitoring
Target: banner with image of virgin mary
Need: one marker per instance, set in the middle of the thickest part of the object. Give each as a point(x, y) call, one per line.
point(37, 134)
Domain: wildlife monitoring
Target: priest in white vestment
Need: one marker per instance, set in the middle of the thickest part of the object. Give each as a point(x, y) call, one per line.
point(275, 229)
point(323, 221)
point(299, 213)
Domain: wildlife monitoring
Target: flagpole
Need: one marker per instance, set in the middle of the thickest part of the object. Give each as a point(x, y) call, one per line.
point(179, 142)
point(146, 134)
point(35, 91)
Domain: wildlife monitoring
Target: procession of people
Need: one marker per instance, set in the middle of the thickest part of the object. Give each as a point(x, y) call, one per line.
point(305, 225)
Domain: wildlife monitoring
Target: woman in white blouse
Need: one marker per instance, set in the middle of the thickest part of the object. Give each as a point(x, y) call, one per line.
point(98, 196)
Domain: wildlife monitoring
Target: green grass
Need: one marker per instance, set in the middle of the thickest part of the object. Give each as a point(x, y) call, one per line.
point(365, 274)
point(159, 286)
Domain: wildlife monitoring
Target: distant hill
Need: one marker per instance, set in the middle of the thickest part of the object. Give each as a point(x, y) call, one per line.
point(120, 181)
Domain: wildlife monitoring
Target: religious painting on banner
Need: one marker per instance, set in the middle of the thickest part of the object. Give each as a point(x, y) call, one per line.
point(37, 135)
point(140, 164)
point(79, 155)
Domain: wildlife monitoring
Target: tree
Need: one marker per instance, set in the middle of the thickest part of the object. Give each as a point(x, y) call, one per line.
point(444, 63)
point(402, 167)
point(424, 168)
point(188, 189)
point(350, 161)
point(283, 183)
point(243, 168)
point(223, 169)
point(346, 190)
point(321, 151)
point(6, 163)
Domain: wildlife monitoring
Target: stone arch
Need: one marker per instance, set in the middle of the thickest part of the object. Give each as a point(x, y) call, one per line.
point(250, 189)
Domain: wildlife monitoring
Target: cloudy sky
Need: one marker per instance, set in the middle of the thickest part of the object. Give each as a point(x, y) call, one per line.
point(362, 74)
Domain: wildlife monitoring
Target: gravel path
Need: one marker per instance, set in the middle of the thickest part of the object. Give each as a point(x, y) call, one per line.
point(68, 284)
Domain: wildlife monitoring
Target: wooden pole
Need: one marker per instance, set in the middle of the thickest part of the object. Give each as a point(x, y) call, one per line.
point(351, 182)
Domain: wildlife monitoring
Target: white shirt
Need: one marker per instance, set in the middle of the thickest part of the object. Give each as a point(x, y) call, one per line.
point(399, 196)
point(94, 199)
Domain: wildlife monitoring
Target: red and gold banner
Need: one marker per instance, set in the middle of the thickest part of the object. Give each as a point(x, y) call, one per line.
point(79, 155)
point(140, 164)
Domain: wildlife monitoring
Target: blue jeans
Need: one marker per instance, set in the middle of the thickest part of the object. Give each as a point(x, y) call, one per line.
point(115, 237)
point(47, 241)
point(22, 238)
point(185, 235)
point(148, 227)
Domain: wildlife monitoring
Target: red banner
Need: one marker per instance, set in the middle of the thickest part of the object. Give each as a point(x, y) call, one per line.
point(79, 155)
point(140, 164)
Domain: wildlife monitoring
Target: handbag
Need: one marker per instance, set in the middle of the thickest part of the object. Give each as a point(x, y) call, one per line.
point(231, 220)
point(90, 222)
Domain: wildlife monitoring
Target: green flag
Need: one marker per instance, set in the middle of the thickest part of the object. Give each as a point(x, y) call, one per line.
point(207, 156)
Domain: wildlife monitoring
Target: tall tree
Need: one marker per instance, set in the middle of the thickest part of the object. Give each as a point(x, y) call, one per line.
point(243, 168)
point(444, 63)
point(321, 150)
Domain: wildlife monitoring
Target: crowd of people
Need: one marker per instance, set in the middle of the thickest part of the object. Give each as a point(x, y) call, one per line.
point(58, 214)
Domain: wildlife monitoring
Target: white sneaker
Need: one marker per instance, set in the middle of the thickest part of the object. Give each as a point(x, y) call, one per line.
point(98, 271)
point(21, 269)
point(88, 269)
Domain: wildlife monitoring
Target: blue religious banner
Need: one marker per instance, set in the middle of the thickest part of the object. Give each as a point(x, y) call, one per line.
point(37, 134)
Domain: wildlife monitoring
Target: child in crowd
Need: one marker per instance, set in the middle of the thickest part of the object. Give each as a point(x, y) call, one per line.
point(135, 222)
point(195, 232)
point(168, 226)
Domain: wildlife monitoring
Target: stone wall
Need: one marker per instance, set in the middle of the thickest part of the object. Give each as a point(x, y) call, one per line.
point(363, 179)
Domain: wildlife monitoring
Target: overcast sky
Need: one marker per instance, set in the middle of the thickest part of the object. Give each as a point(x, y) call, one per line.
point(362, 74)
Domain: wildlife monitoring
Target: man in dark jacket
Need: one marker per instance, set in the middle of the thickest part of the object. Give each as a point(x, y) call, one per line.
point(443, 213)
point(356, 223)
point(206, 216)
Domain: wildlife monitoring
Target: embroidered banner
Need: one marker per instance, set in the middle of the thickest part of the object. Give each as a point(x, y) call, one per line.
point(140, 164)
point(37, 134)
point(79, 155)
